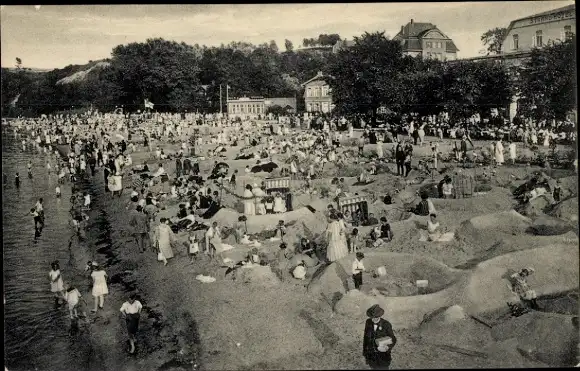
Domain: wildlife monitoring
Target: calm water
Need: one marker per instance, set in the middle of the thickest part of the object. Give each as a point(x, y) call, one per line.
point(36, 333)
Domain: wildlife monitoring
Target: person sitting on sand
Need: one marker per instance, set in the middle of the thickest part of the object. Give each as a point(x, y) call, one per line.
point(425, 207)
point(521, 288)
point(299, 272)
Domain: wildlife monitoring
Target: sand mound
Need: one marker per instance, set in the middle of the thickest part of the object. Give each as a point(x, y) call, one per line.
point(258, 274)
point(547, 225)
point(537, 206)
point(225, 217)
point(498, 199)
point(505, 354)
point(354, 304)
point(452, 327)
point(335, 280)
point(452, 314)
point(489, 227)
point(547, 337)
point(566, 210)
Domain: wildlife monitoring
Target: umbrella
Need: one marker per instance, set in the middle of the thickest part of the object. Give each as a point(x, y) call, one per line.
point(269, 167)
point(120, 136)
point(256, 169)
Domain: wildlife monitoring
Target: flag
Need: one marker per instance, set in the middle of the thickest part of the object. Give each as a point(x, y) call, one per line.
point(13, 103)
point(148, 104)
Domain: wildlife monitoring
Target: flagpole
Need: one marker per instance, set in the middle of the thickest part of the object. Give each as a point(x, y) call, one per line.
point(227, 96)
point(221, 98)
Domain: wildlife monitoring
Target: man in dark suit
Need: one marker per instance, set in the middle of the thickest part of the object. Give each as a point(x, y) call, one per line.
point(400, 158)
point(377, 328)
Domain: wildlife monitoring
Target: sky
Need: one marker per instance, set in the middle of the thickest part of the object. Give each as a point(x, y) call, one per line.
point(56, 36)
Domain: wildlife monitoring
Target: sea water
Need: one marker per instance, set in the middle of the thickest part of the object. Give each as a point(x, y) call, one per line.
point(36, 334)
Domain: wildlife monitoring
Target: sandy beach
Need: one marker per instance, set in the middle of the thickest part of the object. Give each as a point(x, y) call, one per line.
point(290, 324)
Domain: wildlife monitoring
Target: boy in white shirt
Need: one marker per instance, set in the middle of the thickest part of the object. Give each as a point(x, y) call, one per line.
point(357, 269)
point(131, 311)
point(72, 297)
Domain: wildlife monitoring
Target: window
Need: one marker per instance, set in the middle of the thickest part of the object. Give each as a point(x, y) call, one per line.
point(516, 42)
point(309, 92)
point(325, 91)
point(568, 32)
point(538, 40)
point(309, 107)
point(428, 44)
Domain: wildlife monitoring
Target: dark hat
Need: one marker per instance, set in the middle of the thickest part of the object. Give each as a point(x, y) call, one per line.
point(375, 311)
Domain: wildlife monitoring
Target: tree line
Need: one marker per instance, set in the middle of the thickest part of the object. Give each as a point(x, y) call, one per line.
point(373, 73)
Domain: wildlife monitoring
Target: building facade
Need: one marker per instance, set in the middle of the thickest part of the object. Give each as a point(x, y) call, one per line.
point(244, 106)
point(427, 41)
point(317, 94)
point(254, 106)
point(538, 30)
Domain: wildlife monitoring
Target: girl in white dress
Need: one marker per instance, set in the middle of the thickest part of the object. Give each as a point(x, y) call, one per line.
point(249, 204)
point(336, 237)
point(100, 288)
point(279, 206)
point(193, 246)
point(56, 284)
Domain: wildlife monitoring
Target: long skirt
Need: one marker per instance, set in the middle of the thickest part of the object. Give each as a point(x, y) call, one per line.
point(132, 321)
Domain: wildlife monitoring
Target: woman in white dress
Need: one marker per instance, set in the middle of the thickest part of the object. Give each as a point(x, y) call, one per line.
point(380, 149)
point(293, 169)
point(56, 284)
point(336, 237)
point(279, 206)
point(499, 160)
point(100, 288)
point(249, 205)
point(259, 195)
point(547, 135)
point(163, 238)
point(421, 132)
point(350, 131)
point(534, 137)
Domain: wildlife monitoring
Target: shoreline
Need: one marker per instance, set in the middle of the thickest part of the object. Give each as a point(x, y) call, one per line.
point(107, 244)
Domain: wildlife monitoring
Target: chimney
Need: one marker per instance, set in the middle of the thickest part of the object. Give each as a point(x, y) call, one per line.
point(411, 21)
point(402, 28)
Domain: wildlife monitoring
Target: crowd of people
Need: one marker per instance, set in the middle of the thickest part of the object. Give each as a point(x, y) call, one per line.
point(106, 142)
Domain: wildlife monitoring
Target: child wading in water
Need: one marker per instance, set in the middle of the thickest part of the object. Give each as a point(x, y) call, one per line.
point(56, 284)
point(72, 297)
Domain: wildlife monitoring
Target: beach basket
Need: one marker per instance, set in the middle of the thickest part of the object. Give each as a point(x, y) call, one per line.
point(353, 203)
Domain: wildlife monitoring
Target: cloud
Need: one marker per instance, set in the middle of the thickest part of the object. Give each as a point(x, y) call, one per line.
point(60, 35)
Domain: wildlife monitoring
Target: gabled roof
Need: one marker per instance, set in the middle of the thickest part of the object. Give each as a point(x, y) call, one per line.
point(557, 10)
point(319, 76)
point(414, 29)
point(450, 47)
point(412, 33)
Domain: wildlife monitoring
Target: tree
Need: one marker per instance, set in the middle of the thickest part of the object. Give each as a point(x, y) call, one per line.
point(493, 39)
point(547, 82)
point(367, 76)
point(18, 63)
point(273, 46)
point(289, 46)
point(156, 70)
